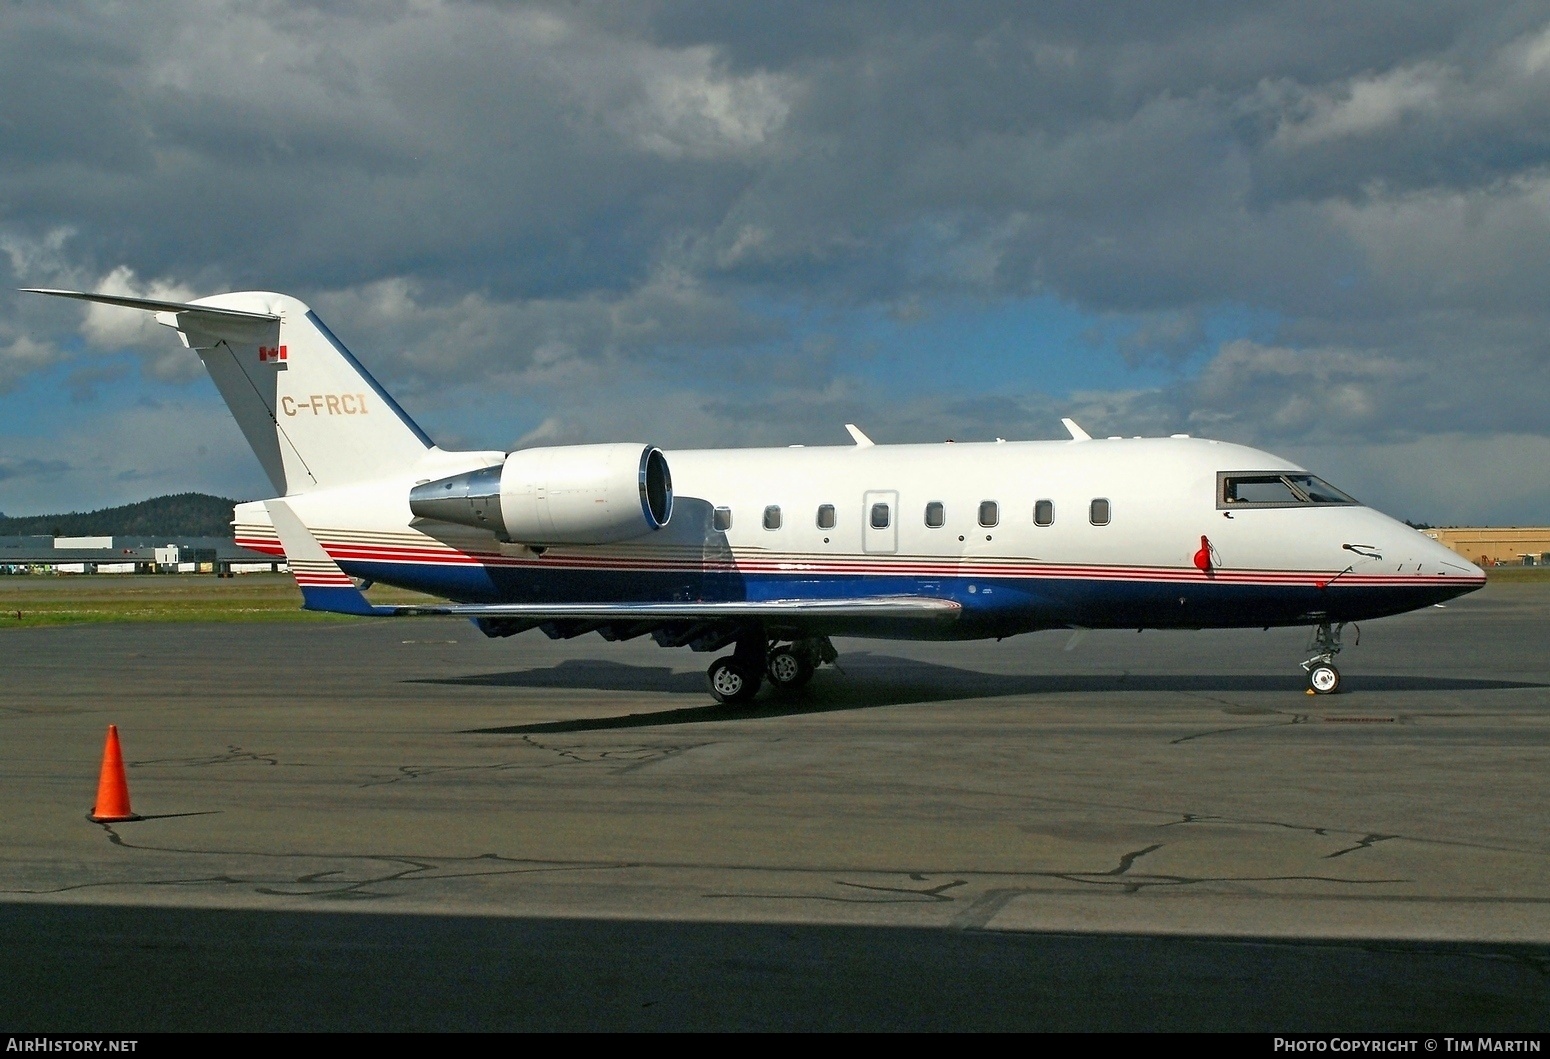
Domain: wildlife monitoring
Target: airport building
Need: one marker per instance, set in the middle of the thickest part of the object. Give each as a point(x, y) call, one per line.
point(1497, 545)
point(131, 555)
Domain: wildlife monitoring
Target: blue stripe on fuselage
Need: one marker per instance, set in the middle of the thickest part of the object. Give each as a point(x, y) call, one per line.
point(991, 606)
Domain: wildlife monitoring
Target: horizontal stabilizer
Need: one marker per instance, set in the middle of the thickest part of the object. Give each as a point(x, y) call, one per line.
point(151, 304)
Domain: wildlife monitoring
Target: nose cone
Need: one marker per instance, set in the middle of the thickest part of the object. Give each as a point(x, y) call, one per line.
point(1444, 573)
point(1434, 558)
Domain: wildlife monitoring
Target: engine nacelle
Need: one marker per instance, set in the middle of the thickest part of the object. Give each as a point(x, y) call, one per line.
point(568, 494)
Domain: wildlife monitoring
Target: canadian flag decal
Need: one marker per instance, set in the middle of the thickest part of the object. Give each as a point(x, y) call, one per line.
point(270, 354)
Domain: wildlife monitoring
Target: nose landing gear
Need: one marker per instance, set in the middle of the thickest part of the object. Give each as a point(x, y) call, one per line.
point(1323, 677)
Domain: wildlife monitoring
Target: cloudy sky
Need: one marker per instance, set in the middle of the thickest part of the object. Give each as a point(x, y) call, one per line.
point(1322, 229)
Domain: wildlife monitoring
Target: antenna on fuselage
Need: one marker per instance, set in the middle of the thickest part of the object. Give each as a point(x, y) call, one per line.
point(1076, 432)
point(862, 441)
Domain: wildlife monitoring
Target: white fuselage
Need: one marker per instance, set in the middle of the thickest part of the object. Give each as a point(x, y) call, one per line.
point(1271, 565)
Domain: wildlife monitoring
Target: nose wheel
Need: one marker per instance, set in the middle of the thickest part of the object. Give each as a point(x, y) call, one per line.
point(1323, 677)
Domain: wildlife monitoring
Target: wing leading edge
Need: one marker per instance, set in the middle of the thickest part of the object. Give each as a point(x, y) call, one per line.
point(325, 587)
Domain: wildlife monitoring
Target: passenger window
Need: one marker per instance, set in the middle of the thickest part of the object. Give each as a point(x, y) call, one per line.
point(1044, 513)
point(772, 517)
point(826, 516)
point(880, 517)
point(936, 514)
point(990, 513)
point(722, 519)
point(1098, 513)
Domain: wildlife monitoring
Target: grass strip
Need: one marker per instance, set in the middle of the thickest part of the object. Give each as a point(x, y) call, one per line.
point(31, 601)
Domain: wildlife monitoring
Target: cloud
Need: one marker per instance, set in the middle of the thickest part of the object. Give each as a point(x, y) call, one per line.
point(112, 327)
point(21, 358)
point(1364, 106)
point(1288, 222)
point(31, 468)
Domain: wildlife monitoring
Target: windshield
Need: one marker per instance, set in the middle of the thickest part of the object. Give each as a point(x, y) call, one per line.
point(1274, 489)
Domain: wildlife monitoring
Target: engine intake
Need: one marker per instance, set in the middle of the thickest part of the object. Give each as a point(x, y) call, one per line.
point(569, 494)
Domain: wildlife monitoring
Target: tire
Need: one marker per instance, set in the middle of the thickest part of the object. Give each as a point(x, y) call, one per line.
point(788, 669)
point(730, 683)
point(1324, 679)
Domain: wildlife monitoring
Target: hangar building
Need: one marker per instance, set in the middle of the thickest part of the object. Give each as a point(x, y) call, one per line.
point(1497, 545)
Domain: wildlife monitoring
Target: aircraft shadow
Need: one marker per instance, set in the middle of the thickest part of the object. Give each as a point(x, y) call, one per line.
point(584, 674)
point(869, 681)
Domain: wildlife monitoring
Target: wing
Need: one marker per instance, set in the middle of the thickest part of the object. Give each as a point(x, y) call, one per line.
point(325, 587)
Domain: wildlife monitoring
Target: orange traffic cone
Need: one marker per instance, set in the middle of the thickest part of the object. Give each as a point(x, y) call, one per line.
point(112, 786)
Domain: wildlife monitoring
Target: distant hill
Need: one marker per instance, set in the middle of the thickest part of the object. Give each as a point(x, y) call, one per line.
point(183, 515)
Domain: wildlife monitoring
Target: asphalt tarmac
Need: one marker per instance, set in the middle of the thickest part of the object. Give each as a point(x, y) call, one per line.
point(398, 824)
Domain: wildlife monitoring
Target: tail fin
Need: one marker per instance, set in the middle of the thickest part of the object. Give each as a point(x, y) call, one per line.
point(313, 415)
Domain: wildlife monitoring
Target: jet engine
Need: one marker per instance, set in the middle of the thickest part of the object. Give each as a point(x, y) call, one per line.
point(568, 494)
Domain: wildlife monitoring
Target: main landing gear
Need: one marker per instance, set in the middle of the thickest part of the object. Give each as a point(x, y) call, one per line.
point(736, 678)
point(1323, 677)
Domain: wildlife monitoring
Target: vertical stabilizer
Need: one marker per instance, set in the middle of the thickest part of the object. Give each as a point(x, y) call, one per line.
point(313, 415)
point(304, 402)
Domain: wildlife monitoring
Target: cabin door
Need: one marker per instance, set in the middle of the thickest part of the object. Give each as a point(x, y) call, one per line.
point(880, 521)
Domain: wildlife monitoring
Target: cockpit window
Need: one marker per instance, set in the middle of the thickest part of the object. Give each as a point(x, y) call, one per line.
point(1317, 490)
point(1259, 489)
point(1269, 489)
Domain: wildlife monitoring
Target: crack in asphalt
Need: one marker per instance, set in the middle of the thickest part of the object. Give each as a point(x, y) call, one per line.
point(334, 883)
point(929, 895)
point(233, 755)
point(987, 905)
point(1297, 718)
point(1365, 842)
point(387, 874)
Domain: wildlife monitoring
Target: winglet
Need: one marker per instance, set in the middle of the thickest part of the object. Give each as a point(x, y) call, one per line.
point(1076, 432)
point(862, 441)
point(323, 585)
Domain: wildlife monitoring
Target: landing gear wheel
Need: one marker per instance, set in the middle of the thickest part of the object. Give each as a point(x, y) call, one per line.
point(731, 683)
point(789, 669)
point(1323, 679)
